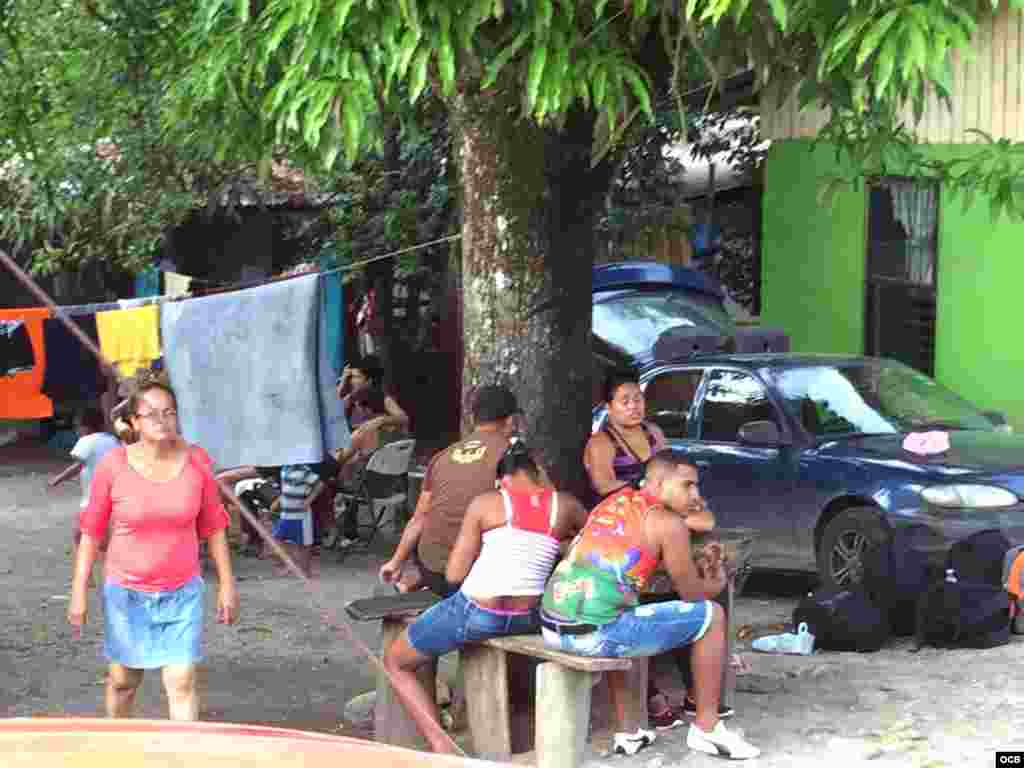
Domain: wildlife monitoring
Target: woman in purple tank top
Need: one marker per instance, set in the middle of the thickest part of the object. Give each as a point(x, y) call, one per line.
point(615, 455)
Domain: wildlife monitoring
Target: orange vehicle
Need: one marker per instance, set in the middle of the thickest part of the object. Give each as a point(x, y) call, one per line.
point(94, 743)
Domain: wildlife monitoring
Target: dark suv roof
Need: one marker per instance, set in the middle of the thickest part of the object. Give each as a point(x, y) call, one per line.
point(645, 274)
point(765, 360)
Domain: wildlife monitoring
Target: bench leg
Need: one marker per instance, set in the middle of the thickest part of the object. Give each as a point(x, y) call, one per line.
point(392, 724)
point(487, 701)
point(563, 715)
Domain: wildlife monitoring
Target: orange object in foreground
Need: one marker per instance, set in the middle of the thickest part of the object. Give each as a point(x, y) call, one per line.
point(21, 395)
point(95, 743)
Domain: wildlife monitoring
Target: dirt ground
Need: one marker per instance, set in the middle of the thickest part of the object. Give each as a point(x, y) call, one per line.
point(282, 665)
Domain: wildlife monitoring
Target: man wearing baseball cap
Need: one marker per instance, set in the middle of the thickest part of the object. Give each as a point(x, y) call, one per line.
point(455, 476)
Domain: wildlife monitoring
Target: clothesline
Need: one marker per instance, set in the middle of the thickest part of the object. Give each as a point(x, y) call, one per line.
point(333, 270)
point(74, 310)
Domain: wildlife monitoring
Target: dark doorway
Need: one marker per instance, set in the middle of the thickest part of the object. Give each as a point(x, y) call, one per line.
point(901, 270)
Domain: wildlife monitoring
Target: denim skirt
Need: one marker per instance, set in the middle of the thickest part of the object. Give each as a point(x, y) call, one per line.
point(149, 630)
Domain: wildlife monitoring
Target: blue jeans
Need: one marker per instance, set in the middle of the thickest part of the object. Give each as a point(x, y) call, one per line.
point(646, 630)
point(457, 620)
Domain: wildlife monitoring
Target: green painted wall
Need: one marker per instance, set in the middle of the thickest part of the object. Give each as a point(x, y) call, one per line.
point(812, 256)
point(813, 261)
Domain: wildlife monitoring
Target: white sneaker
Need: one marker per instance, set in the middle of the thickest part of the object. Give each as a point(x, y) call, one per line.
point(721, 742)
point(631, 743)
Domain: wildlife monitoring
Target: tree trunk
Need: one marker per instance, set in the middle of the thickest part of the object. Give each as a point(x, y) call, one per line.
point(530, 204)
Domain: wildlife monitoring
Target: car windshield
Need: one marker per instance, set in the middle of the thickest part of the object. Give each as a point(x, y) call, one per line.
point(633, 320)
point(872, 397)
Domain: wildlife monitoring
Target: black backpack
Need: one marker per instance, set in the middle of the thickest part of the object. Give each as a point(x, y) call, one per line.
point(978, 558)
point(897, 572)
point(963, 614)
point(843, 620)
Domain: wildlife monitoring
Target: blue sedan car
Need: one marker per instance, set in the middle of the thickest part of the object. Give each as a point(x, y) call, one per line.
point(808, 450)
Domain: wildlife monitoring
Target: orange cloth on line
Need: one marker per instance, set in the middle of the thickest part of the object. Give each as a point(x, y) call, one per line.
point(130, 338)
point(21, 395)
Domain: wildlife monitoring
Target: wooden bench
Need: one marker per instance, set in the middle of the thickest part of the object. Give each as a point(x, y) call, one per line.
point(565, 684)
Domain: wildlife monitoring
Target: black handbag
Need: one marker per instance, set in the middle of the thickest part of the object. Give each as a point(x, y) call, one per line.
point(843, 620)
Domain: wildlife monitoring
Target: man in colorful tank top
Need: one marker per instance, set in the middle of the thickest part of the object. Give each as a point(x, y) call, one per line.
point(591, 603)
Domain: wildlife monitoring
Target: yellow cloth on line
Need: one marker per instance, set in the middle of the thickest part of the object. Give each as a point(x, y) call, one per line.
point(176, 284)
point(130, 338)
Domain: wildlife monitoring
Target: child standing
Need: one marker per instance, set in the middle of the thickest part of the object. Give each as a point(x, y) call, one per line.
point(93, 444)
point(300, 486)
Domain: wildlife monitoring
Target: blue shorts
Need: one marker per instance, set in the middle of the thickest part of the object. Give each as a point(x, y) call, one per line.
point(646, 630)
point(296, 529)
point(149, 630)
point(457, 620)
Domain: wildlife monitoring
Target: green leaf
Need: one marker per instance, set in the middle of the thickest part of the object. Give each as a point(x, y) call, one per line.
point(839, 49)
point(640, 90)
point(352, 116)
point(331, 151)
point(885, 64)
point(282, 28)
point(916, 53)
point(506, 54)
point(410, 12)
point(599, 85)
point(542, 20)
point(303, 11)
point(583, 91)
point(418, 76)
point(341, 12)
point(870, 43)
point(538, 59)
point(360, 72)
point(779, 12)
point(469, 22)
point(446, 62)
point(242, 9)
point(958, 38)
point(407, 48)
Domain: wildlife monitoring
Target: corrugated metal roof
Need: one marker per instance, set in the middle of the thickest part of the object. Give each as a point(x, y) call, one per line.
point(987, 93)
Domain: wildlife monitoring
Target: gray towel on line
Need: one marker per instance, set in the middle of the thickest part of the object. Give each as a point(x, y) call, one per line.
point(244, 366)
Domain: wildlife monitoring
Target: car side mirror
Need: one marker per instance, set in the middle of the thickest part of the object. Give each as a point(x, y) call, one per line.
point(998, 418)
point(762, 433)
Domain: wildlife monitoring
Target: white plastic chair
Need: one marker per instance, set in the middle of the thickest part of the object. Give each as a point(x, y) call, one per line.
point(383, 488)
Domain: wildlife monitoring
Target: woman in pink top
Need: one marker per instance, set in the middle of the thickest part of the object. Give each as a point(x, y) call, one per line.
point(158, 498)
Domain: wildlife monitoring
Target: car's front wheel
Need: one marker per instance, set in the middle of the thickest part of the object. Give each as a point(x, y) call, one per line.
point(845, 542)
